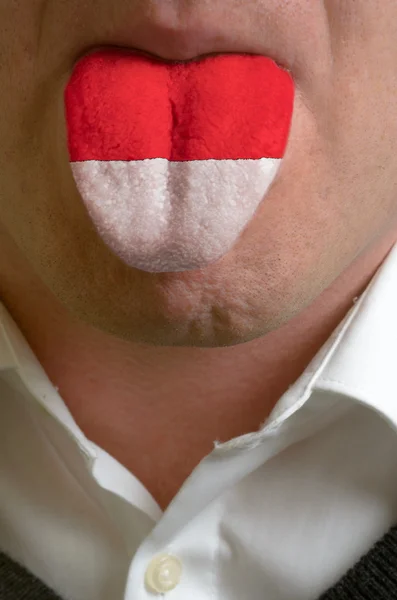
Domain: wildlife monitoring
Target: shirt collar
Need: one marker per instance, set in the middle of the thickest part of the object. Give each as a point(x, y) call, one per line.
point(22, 370)
point(364, 367)
point(358, 360)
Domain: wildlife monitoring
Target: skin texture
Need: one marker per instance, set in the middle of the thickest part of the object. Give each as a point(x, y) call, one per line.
point(160, 365)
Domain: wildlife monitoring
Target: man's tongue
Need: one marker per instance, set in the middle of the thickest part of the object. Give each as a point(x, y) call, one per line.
point(172, 160)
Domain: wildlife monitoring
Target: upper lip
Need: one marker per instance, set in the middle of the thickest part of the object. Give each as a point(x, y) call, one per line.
point(293, 34)
point(176, 56)
point(178, 53)
point(173, 47)
point(168, 38)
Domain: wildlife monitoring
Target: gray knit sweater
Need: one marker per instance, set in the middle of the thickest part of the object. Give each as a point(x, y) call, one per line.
point(374, 577)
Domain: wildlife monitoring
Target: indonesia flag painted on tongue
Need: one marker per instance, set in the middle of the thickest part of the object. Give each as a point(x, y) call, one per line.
point(173, 160)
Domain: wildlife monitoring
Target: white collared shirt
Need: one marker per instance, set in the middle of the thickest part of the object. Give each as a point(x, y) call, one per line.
point(279, 514)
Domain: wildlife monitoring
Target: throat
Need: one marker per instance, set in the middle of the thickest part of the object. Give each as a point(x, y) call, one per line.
point(163, 450)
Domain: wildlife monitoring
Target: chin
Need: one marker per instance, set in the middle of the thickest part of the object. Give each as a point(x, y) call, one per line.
point(196, 309)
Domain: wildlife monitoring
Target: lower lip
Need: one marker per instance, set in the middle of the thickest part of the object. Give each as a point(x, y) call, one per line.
point(173, 160)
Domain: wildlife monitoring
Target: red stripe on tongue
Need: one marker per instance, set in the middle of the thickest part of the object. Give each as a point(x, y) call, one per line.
point(123, 106)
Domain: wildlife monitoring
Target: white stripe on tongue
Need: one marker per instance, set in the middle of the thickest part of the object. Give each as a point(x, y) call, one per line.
point(162, 216)
point(172, 161)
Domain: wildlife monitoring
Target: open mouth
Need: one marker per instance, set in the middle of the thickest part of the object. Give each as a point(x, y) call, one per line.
point(173, 160)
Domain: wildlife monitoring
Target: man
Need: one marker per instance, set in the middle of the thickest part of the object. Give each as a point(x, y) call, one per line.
point(221, 432)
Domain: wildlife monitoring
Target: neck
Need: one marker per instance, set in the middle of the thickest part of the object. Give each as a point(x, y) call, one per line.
point(150, 406)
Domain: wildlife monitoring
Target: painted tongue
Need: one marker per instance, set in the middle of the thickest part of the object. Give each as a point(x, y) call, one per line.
point(173, 160)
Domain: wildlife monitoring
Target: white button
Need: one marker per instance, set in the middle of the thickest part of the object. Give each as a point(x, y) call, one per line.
point(163, 573)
